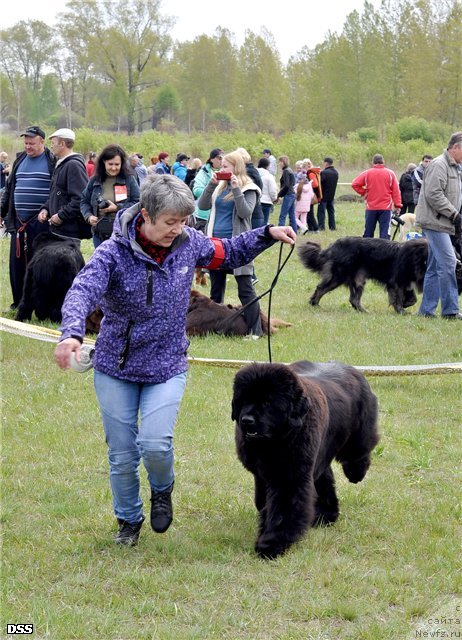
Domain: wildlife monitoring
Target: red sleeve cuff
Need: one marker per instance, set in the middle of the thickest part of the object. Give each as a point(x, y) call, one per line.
point(218, 256)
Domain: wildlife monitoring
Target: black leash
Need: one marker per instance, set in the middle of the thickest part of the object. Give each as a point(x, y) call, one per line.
point(269, 291)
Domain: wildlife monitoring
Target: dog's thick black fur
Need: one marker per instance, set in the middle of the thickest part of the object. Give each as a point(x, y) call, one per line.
point(49, 276)
point(292, 421)
point(350, 261)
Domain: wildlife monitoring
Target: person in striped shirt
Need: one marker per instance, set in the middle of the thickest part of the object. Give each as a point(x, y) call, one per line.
point(26, 190)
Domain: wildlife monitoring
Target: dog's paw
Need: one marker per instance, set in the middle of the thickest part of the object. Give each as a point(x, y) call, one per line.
point(22, 314)
point(325, 518)
point(356, 470)
point(270, 548)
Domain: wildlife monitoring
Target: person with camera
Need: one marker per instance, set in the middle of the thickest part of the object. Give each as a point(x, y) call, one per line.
point(141, 278)
point(231, 196)
point(113, 187)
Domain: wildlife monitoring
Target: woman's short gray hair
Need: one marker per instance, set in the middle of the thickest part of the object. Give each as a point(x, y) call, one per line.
point(165, 193)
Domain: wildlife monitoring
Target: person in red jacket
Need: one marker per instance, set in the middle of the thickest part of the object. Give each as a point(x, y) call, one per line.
point(380, 187)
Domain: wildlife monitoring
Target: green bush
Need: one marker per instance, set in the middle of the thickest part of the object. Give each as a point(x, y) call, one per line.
point(413, 128)
point(367, 134)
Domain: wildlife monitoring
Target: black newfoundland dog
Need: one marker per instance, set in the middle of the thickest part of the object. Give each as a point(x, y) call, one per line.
point(350, 261)
point(49, 276)
point(292, 421)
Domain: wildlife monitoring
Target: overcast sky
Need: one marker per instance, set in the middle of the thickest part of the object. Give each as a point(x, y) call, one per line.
point(292, 25)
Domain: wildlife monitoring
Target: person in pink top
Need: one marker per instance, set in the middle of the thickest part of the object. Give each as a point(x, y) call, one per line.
point(380, 188)
point(303, 197)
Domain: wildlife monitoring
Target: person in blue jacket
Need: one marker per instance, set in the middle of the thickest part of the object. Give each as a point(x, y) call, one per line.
point(180, 166)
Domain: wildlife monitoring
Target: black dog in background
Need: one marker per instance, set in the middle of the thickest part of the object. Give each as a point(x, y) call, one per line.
point(291, 423)
point(351, 261)
point(49, 276)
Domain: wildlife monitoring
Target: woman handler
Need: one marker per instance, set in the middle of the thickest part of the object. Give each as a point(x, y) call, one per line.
point(141, 278)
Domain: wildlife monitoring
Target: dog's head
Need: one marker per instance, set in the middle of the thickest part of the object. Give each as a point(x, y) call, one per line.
point(268, 401)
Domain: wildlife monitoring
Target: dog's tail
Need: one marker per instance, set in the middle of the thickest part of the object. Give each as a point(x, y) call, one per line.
point(311, 257)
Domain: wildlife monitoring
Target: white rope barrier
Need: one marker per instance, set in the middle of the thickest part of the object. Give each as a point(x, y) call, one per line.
point(51, 335)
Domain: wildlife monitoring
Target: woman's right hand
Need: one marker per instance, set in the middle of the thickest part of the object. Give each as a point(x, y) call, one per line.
point(64, 350)
point(92, 220)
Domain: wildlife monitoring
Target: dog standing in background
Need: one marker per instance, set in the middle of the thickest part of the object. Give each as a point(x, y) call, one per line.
point(49, 276)
point(351, 261)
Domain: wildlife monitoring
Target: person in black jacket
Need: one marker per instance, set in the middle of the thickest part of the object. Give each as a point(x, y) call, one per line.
point(329, 179)
point(69, 179)
point(286, 191)
point(26, 190)
point(406, 187)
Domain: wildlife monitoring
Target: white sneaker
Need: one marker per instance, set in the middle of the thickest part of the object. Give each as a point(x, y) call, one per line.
point(86, 359)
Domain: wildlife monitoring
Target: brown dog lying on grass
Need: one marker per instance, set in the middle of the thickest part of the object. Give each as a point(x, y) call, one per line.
point(206, 316)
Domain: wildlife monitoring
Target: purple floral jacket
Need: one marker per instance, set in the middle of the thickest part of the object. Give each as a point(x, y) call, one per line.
point(143, 332)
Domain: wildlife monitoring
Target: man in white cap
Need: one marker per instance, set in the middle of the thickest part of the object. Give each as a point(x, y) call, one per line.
point(26, 191)
point(62, 210)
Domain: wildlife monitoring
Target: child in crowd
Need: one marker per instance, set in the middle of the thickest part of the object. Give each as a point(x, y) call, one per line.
point(303, 197)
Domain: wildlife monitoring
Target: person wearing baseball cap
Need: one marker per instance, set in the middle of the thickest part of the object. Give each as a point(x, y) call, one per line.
point(62, 209)
point(272, 161)
point(25, 193)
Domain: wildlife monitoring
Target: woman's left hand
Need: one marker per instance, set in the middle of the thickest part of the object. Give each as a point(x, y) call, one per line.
point(112, 208)
point(234, 181)
point(283, 234)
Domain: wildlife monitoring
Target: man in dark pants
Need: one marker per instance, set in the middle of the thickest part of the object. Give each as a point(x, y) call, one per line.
point(329, 179)
point(62, 210)
point(380, 188)
point(26, 191)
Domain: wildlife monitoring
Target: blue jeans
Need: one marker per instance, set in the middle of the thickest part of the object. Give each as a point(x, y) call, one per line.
point(97, 241)
point(267, 209)
point(440, 277)
point(288, 208)
point(383, 217)
point(120, 403)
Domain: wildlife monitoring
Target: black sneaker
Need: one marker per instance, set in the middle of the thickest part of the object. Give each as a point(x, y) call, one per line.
point(452, 316)
point(161, 510)
point(128, 534)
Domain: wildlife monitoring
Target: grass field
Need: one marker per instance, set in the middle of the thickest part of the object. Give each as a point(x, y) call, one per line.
point(390, 568)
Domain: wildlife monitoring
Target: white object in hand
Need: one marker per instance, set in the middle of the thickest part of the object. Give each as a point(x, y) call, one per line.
point(86, 357)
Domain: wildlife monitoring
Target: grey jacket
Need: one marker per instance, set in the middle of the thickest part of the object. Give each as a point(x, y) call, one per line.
point(440, 195)
point(245, 200)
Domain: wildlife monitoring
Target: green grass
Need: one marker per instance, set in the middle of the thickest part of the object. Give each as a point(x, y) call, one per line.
point(390, 563)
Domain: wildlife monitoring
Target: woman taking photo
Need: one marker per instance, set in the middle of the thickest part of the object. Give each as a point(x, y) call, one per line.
point(113, 187)
point(231, 202)
point(141, 278)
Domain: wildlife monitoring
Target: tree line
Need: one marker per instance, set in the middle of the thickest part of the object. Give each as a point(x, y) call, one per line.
point(113, 65)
